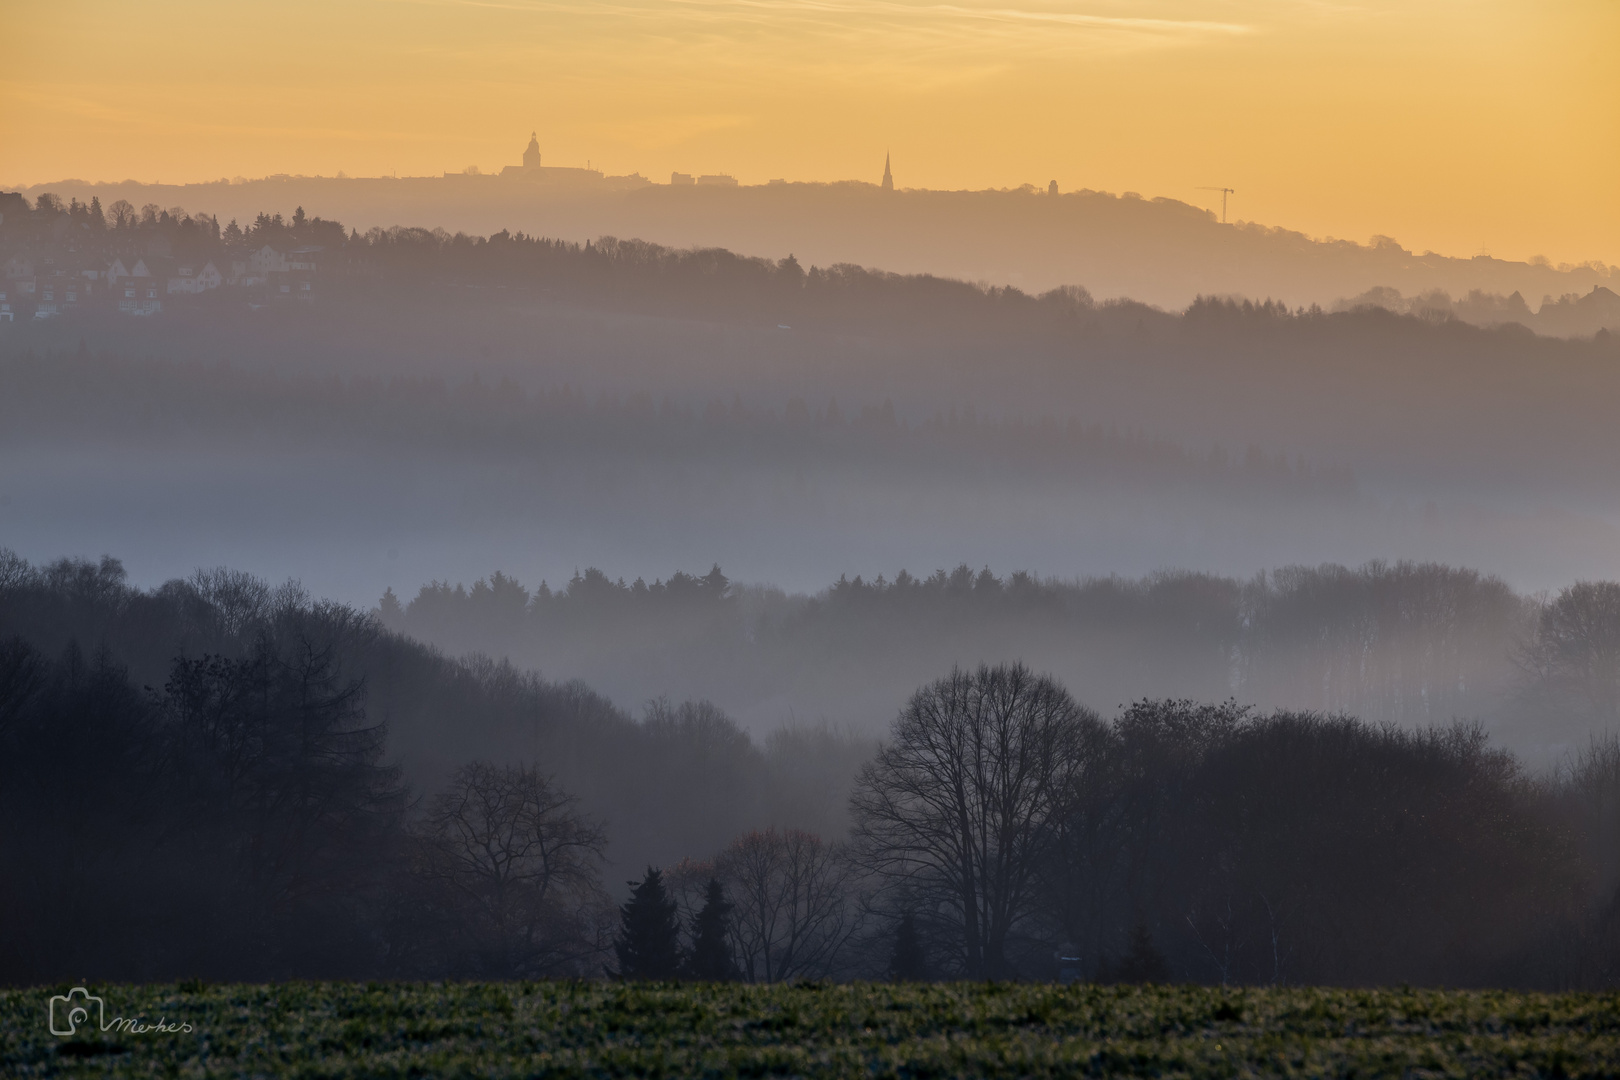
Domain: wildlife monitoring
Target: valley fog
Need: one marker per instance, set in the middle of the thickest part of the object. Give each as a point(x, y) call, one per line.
point(370, 559)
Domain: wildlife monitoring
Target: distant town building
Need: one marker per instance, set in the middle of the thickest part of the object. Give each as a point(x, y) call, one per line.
point(1051, 189)
point(888, 177)
point(62, 290)
point(196, 279)
point(680, 179)
point(267, 260)
point(531, 169)
point(136, 291)
point(717, 180)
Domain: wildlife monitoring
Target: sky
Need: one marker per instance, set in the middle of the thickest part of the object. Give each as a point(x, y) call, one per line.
point(1459, 126)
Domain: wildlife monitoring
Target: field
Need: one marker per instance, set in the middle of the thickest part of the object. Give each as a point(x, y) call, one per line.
point(598, 1029)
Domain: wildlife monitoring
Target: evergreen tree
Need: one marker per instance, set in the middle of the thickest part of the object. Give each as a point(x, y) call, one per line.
point(649, 945)
point(711, 959)
point(98, 220)
point(389, 609)
point(909, 961)
point(1142, 962)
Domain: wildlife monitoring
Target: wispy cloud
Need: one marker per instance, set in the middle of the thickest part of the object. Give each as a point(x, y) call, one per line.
point(910, 46)
point(895, 24)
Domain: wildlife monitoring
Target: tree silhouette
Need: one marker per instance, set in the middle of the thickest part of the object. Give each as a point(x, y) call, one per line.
point(517, 864)
point(792, 914)
point(1142, 962)
point(649, 945)
point(909, 961)
point(960, 804)
point(711, 959)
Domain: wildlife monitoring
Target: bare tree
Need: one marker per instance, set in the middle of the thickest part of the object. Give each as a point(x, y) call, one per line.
point(956, 808)
point(521, 867)
point(1574, 655)
point(792, 912)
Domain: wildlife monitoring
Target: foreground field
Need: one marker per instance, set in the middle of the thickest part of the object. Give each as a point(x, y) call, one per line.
point(595, 1029)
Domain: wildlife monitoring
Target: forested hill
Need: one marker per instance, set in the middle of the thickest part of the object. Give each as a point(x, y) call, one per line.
point(434, 713)
point(1413, 645)
point(267, 786)
point(1162, 251)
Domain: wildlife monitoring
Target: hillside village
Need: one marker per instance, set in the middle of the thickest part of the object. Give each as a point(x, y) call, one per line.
point(62, 258)
point(57, 258)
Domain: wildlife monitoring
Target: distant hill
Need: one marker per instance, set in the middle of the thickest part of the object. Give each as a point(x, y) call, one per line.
point(1158, 251)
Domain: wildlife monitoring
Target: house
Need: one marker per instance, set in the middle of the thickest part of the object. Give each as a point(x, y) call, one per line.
point(293, 285)
point(47, 306)
point(193, 279)
point(267, 260)
point(138, 292)
point(60, 291)
point(6, 314)
point(18, 266)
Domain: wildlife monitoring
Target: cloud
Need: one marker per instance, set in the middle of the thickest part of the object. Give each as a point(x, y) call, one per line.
point(896, 26)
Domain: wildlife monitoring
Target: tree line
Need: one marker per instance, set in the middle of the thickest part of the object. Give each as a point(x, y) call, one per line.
point(298, 792)
point(104, 396)
point(51, 229)
point(645, 276)
point(1405, 643)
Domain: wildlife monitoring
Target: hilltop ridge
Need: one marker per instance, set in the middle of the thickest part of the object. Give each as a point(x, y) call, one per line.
point(1155, 250)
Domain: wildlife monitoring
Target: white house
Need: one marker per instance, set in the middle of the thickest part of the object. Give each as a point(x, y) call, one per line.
point(194, 279)
point(138, 291)
point(267, 260)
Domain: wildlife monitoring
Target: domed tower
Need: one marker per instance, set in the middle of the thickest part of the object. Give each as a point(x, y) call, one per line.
point(888, 177)
point(531, 156)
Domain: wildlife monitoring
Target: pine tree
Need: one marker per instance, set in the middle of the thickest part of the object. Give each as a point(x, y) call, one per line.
point(649, 945)
point(389, 610)
point(909, 962)
point(711, 959)
point(1142, 962)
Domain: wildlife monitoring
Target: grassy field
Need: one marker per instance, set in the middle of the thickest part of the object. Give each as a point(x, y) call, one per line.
point(596, 1029)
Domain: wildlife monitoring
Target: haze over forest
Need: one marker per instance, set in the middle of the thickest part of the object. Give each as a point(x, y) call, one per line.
point(1160, 251)
point(312, 537)
point(535, 407)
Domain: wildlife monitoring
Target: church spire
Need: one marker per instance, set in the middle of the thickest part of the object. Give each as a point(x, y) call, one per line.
point(888, 177)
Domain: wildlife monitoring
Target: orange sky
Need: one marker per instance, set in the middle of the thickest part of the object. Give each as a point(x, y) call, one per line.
point(1491, 125)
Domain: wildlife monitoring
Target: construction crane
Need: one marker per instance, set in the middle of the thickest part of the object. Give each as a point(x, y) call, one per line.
point(1225, 191)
